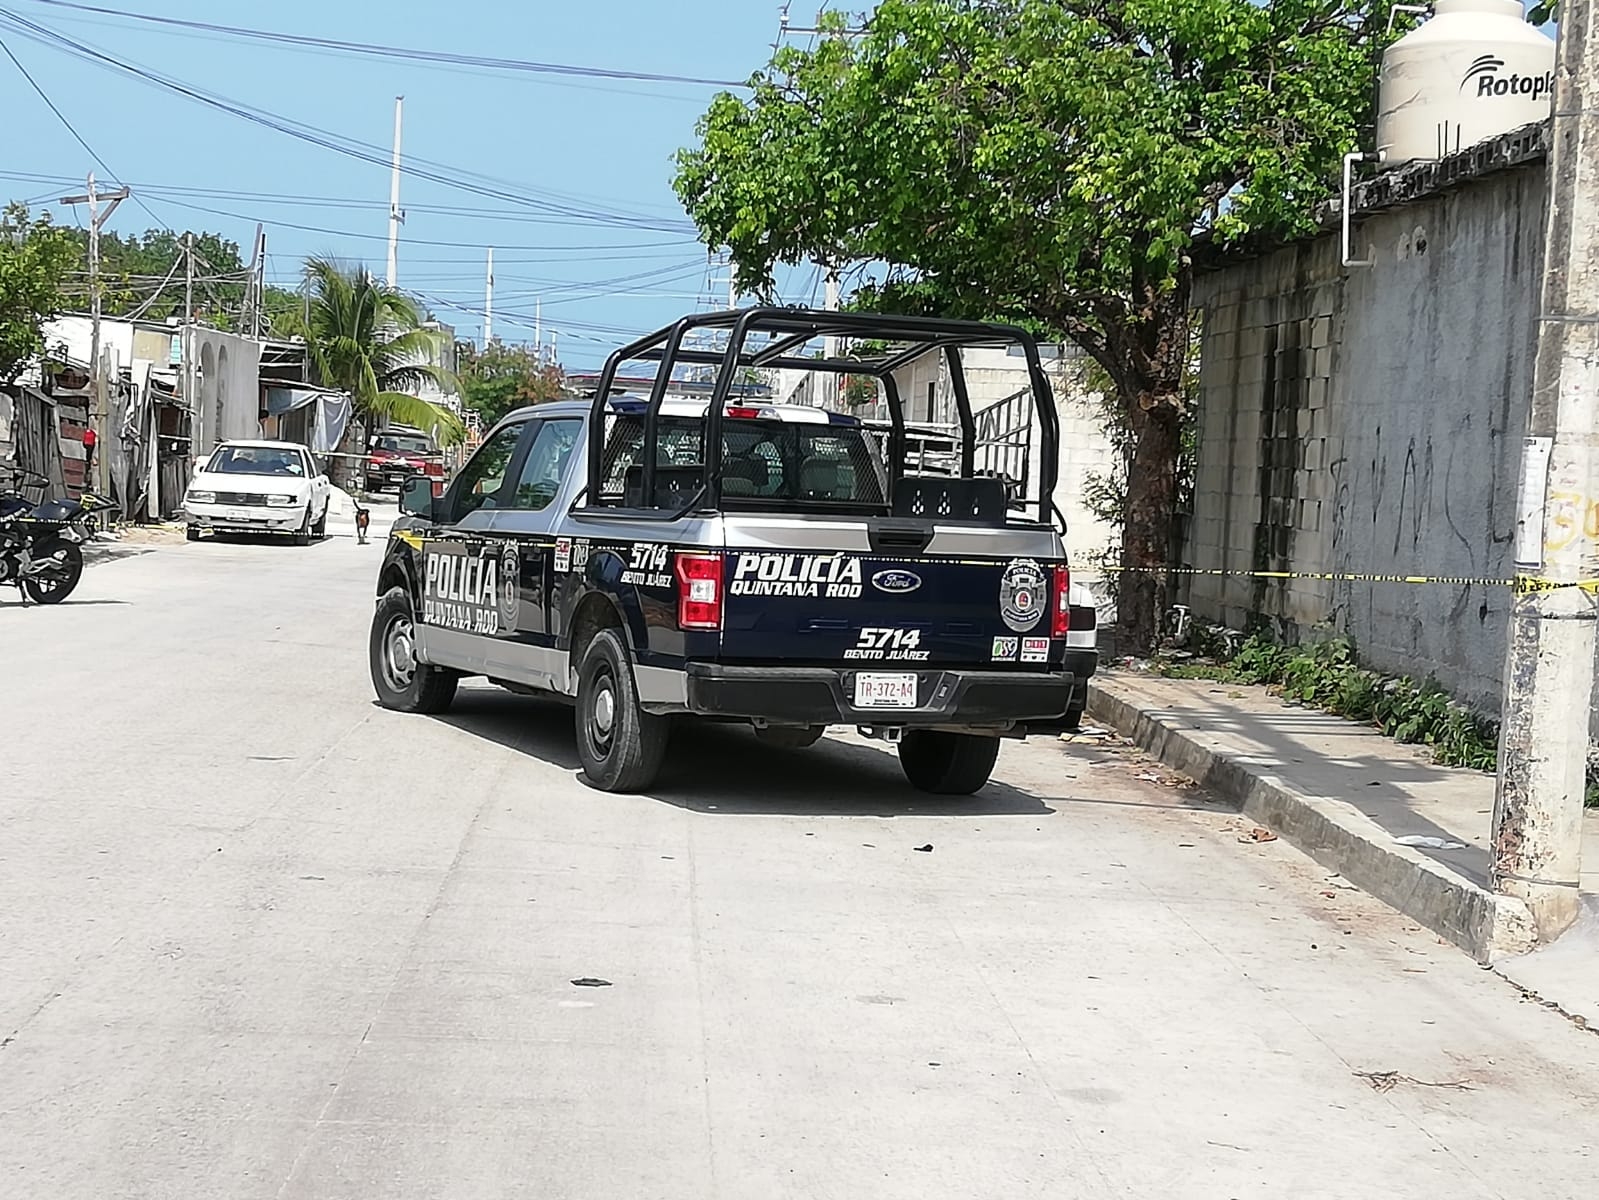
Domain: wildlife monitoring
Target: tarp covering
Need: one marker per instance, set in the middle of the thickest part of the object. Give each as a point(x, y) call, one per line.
point(333, 414)
point(280, 400)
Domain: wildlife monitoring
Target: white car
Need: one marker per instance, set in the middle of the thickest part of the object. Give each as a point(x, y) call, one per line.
point(259, 487)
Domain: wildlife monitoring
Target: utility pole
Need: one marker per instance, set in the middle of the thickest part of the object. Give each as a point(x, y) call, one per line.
point(488, 303)
point(831, 304)
point(538, 327)
point(1543, 740)
point(187, 334)
point(396, 214)
point(99, 417)
point(253, 292)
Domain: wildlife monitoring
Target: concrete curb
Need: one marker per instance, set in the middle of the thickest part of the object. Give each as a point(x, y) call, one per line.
point(1330, 830)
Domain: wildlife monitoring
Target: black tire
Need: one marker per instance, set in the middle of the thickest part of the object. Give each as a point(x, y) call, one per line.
point(191, 533)
point(947, 764)
point(55, 587)
point(1073, 720)
point(320, 529)
point(302, 535)
point(402, 683)
point(619, 744)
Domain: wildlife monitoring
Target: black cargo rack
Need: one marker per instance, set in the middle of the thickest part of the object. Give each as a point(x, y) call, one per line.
point(787, 331)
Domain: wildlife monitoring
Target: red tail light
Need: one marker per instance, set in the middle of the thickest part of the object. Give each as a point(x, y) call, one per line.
point(741, 413)
point(699, 596)
point(1061, 619)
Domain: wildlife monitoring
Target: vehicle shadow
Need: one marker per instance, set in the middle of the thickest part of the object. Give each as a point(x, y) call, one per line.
point(542, 729)
point(69, 602)
point(725, 769)
point(262, 539)
point(722, 769)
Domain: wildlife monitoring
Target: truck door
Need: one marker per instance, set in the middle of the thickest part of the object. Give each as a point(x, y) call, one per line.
point(524, 524)
point(458, 614)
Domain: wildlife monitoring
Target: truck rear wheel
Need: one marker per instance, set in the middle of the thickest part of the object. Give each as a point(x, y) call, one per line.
point(400, 681)
point(947, 764)
point(619, 744)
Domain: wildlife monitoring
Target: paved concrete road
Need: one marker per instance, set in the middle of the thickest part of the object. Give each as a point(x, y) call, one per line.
point(259, 938)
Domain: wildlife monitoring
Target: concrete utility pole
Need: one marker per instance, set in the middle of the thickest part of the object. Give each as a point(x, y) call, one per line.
point(831, 305)
point(254, 291)
point(187, 334)
point(396, 214)
point(488, 303)
point(99, 416)
point(1543, 743)
point(538, 328)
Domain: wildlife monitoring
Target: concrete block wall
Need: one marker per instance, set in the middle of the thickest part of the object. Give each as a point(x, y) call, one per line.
point(1368, 420)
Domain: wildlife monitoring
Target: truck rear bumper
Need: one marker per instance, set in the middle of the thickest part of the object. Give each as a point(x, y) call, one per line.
point(826, 696)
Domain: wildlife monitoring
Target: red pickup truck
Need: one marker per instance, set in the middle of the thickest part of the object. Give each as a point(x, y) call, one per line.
point(394, 457)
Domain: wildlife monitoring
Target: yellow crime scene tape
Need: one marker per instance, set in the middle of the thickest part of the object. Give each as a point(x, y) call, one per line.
point(1521, 583)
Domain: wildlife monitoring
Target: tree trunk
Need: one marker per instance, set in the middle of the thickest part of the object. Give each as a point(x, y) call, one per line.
point(1151, 520)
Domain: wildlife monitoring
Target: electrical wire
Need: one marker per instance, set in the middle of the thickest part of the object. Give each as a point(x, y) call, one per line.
point(338, 143)
point(371, 49)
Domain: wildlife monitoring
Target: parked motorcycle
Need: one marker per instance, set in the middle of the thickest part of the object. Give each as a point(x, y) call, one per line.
point(41, 543)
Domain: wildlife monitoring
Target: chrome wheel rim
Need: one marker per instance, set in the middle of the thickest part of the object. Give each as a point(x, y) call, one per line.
point(399, 654)
point(602, 714)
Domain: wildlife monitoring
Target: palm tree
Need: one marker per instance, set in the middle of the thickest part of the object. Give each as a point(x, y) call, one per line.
point(366, 338)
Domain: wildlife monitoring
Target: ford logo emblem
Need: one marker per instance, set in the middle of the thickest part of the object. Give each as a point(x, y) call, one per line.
point(896, 583)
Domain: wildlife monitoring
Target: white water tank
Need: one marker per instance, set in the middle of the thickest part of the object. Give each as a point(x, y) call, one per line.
point(1475, 70)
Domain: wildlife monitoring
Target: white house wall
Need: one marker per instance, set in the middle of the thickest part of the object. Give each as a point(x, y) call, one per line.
point(227, 374)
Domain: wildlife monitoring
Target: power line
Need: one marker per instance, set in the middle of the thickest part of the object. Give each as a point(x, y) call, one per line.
point(70, 128)
point(338, 143)
point(376, 50)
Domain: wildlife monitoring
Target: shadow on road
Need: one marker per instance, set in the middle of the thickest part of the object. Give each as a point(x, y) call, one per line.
point(723, 769)
point(69, 602)
point(261, 539)
point(540, 728)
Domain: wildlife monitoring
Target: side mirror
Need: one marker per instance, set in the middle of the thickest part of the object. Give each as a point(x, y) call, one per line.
point(416, 497)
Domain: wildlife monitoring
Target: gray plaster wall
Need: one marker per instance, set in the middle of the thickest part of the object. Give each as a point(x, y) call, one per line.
point(1369, 420)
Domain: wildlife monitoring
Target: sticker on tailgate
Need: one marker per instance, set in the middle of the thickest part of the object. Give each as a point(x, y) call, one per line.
point(835, 576)
point(897, 645)
point(1022, 592)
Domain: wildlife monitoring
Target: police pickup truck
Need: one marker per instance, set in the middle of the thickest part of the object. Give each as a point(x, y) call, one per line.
point(652, 556)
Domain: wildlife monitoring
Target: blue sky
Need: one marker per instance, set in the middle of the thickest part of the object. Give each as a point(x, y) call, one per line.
point(590, 143)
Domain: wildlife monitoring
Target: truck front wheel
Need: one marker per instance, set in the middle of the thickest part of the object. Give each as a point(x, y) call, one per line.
point(947, 764)
point(400, 680)
point(619, 744)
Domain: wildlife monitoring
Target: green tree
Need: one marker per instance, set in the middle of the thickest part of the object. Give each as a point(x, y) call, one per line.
point(144, 274)
point(499, 379)
point(365, 338)
point(35, 261)
point(1051, 162)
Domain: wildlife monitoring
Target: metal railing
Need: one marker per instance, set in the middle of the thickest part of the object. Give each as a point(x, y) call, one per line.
point(1005, 438)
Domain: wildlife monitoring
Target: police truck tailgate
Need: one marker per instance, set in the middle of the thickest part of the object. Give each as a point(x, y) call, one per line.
point(840, 608)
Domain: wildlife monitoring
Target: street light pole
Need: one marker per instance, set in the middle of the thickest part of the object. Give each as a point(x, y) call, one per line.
point(99, 417)
point(1537, 829)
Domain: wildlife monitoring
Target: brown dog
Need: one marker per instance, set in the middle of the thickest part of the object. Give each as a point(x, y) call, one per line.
point(363, 518)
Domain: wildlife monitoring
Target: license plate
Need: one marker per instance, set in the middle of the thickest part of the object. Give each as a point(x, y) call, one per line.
point(885, 691)
point(238, 514)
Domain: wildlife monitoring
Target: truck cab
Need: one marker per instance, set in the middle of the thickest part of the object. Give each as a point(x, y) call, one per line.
point(649, 557)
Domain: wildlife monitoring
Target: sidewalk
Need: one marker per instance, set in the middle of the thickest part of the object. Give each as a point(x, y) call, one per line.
point(1346, 795)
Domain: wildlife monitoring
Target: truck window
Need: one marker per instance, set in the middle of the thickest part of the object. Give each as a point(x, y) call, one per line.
point(784, 462)
point(546, 464)
point(478, 485)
